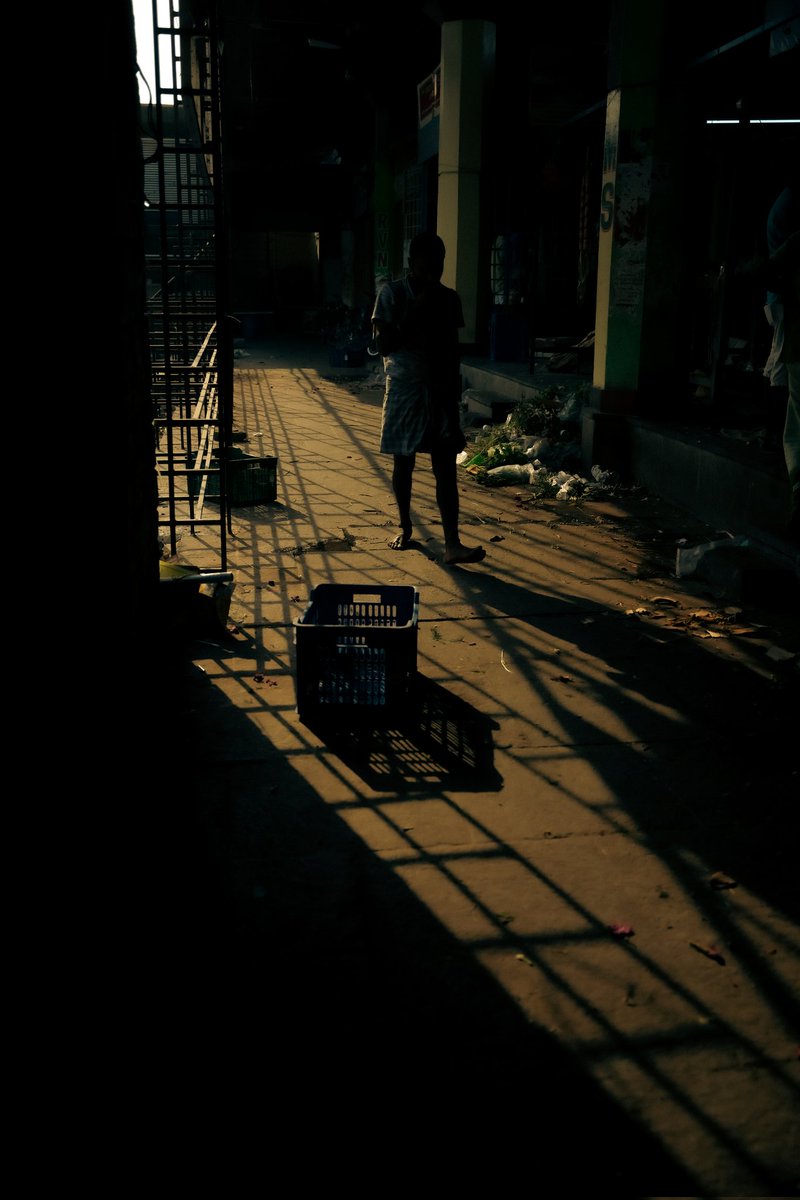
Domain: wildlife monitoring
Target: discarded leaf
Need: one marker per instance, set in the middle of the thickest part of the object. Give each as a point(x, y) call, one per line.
point(720, 880)
point(710, 952)
point(621, 931)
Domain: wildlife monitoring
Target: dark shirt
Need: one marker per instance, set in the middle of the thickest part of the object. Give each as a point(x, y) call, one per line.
point(418, 338)
point(782, 221)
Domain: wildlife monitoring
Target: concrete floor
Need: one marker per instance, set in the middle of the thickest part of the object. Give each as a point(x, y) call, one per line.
point(543, 932)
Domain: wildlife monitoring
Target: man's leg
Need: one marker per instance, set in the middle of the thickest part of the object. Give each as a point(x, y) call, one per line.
point(445, 473)
point(401, 485)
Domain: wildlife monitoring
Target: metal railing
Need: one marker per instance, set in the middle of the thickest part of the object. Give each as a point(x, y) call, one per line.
point(190, 332)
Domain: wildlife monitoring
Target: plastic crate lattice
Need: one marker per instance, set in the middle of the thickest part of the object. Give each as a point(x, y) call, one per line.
point(356, 648)
point(250, 480)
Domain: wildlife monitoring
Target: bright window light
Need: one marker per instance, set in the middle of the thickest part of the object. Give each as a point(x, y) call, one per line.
point(145, 52)
point(757, 121)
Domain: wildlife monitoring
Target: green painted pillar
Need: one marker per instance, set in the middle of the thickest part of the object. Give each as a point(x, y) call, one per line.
point(382, 205)
point(468, 60)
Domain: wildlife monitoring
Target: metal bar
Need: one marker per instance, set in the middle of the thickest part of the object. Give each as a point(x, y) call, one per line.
point(201, 577)
point(187, 312)
point(184, 422)
point(189, 521)
point(764, 27)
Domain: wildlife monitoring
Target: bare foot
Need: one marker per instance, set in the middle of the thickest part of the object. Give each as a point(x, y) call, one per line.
point(463, 554)
point(402, 541)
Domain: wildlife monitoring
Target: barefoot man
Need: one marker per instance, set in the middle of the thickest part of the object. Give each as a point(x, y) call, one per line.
point(416, 322)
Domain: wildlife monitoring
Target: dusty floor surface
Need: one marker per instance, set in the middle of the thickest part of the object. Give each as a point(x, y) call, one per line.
point(540, 933)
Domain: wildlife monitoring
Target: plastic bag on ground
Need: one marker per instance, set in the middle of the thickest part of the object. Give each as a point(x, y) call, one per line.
point(688, 559)
point(511, 473)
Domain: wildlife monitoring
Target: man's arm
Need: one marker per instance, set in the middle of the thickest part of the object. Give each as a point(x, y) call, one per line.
point(387, 337)
point(784, 266)
point(776, 271)
point(385, 330)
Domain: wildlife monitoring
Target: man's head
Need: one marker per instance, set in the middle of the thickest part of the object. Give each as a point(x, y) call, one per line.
point(426, 258)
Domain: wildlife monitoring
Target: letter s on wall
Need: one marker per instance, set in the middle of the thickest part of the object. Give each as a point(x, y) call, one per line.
point(607, 206)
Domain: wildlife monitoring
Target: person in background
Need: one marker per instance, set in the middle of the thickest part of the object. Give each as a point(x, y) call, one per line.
point(415, 325)
point(782, 274)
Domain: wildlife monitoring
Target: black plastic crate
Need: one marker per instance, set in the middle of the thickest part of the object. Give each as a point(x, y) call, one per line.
point(356, 650)
point(250, 480)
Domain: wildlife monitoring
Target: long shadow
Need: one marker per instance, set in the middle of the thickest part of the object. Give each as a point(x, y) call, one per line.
point(744, 722)
point(295, 983)
point(739, 736)
point(437, 741)
point(413, 1003)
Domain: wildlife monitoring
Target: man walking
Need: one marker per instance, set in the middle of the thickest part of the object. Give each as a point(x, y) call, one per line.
point(416, 322)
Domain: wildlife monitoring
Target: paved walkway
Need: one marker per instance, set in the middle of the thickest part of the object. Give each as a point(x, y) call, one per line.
point(548, 926)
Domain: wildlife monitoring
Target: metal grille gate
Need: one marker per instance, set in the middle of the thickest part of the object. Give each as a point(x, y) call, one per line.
point(186, 258)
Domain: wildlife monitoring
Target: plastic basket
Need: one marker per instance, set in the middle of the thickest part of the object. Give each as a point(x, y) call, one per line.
point(250, 480)
point(356, 650)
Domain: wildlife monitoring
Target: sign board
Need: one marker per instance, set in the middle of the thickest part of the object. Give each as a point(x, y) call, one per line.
point(428, 97)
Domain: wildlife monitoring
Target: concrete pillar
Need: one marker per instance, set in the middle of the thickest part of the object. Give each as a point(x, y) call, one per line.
point(348, 267)
point(382, 204)
point(468, 58)
point(640, 254)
